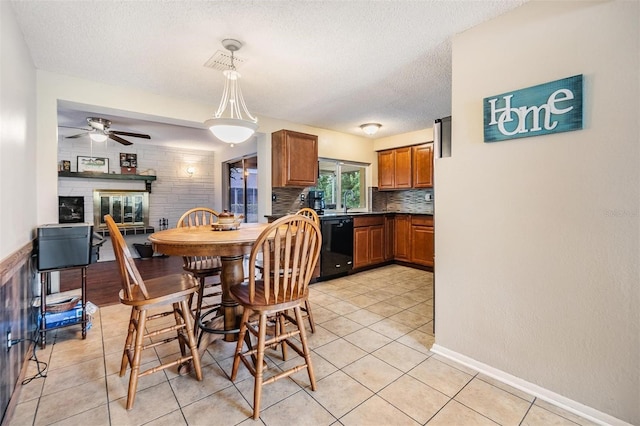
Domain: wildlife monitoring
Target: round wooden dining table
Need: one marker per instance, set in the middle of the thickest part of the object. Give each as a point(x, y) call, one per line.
point(230, 245)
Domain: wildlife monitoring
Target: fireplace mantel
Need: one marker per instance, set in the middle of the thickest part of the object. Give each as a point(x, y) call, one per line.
point(90, 175)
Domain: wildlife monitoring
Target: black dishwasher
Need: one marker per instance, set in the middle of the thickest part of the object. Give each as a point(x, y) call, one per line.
point(336, 256)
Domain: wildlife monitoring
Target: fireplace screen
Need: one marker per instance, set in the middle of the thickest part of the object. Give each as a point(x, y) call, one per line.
point(128, 208)
point(70, 209)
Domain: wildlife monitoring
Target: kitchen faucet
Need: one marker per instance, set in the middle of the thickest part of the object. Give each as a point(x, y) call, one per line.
point(344, 199)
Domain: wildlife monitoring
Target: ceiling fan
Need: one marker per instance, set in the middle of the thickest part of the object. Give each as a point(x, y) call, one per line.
point(101, 126)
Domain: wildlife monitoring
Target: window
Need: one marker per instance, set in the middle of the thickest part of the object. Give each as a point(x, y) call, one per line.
point(350, 186)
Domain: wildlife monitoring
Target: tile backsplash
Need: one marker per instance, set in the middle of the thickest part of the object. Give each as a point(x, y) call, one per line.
point(287, 200)
point(406, 201)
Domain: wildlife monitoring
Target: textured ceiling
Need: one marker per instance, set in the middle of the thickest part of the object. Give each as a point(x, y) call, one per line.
point(328, 64)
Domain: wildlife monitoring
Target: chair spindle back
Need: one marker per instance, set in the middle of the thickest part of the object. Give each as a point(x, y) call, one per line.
point(129, 273)
point(290, 249)
point(198, 216)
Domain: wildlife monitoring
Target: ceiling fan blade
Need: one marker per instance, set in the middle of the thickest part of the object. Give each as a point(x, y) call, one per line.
point(73, 127)
point(79, 135)
point(119, 139)
point(136, 135)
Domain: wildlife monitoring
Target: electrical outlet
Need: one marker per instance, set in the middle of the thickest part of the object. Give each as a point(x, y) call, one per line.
point(8, 339)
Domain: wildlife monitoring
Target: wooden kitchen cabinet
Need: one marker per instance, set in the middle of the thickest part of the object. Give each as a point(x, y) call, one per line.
point(403, 168)
point(376, 244)
point(394, 168)
point(294, 159)
point(368, 241)
point(402, 237)
point(422, 240)
point(386, 169)
point(422, 157)
point(360, 247)
point(389, 232)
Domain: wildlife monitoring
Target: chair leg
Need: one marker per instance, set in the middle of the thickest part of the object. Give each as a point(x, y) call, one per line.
point(179, 319)
point(257, 387)
point(241, 335)
point(137, 353)
point(200, 297)
point(305, 347)
point(307, 308)
point(128, 351)
point(280, 327)
point(191, 338)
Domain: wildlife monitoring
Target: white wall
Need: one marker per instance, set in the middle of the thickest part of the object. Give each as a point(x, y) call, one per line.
point(537, 239)
point(17, 133)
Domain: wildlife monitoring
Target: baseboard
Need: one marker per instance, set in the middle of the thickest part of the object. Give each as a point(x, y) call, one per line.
point(530, 388)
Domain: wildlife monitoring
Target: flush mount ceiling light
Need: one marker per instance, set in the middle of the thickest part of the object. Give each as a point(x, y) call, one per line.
point(370, 128)
point(228, 123)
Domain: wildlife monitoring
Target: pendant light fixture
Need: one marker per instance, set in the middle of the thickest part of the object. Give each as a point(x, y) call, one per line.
point(371, 128)
point(229, 124)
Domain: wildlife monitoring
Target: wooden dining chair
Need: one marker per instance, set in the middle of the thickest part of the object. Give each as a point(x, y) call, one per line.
point(171, 292)
point(306, 310)
point(202, 266)
point(291, 246)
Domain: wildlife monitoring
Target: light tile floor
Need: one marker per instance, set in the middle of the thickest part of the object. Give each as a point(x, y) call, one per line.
point(370, 355)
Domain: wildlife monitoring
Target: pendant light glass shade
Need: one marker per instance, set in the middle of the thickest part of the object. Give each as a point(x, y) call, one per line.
point(231, 130)
point(229, 123)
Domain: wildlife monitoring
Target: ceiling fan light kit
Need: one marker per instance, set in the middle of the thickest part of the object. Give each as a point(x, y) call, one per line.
point(229, 123)
point(98, 137)
point(371, 128)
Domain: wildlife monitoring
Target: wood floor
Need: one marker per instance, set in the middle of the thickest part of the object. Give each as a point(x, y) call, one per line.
point(103, 278)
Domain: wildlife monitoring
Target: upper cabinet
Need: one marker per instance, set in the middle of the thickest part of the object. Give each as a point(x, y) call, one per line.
point(386, 169)
point(405, 168)
point(394, 168)
point(294, 159)
point(423, 166)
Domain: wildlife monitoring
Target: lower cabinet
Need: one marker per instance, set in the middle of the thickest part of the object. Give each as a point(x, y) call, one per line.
point(402, 238)
point(368, 241)
point(389, 232)
point(422, 240)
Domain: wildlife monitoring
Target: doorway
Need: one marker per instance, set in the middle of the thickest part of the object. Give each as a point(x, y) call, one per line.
point(243, 188)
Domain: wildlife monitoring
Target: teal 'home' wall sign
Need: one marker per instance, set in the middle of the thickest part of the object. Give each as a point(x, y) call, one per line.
point(538, 110)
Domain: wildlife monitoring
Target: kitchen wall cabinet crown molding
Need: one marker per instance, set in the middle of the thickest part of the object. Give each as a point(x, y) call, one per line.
point(294, 159)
